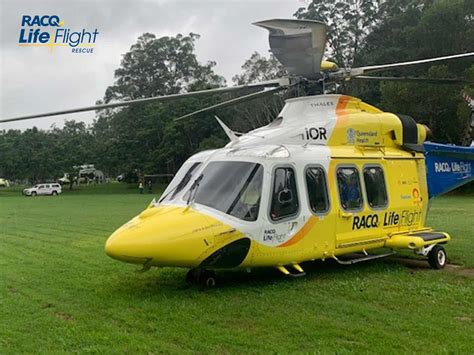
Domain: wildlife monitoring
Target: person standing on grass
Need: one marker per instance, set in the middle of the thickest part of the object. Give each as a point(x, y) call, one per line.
point(149, 186)
point(140, 187)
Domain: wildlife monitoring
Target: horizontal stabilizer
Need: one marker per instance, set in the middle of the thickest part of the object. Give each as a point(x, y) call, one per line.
point(447, 167)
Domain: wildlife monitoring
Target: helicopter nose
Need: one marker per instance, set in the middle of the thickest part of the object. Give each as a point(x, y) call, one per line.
point(115, 247)
point(169, 236)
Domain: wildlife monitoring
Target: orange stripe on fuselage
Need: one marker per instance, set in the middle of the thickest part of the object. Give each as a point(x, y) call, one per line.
point(342, 106)
point(302, 232)
point(341, 112)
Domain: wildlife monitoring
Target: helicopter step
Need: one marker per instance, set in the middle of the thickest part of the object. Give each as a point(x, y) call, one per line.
point(361, 259)
point(417, 239)
point(299, 270)
point(431, 236)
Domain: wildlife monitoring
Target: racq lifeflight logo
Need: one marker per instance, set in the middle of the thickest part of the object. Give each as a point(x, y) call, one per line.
point(50, 31)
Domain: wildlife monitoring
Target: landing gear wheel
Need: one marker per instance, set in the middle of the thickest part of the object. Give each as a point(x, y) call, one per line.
point(207, 278)
point(437, 257)
point(201, 277)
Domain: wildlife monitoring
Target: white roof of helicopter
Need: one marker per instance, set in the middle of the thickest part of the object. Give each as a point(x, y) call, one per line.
point(270, 152)
point(285, 136)
point(309, 107)
point(298, 115)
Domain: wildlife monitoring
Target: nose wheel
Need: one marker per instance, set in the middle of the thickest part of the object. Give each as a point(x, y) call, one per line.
point(201, 277)
point(436, 254)
point(437, 257)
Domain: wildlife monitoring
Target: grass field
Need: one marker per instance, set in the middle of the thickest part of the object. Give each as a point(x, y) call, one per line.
point(61, 293)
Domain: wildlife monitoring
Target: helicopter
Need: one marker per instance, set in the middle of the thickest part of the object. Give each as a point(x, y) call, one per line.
point(329, 177)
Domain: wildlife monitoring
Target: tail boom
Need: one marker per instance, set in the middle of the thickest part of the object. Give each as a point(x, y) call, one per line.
point(447, 167)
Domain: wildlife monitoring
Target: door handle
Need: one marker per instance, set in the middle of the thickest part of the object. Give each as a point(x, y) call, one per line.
point(293, 226)
point(346, 215)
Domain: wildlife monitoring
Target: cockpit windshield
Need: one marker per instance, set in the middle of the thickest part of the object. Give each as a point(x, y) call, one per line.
point(232, 187)
point(180, 181)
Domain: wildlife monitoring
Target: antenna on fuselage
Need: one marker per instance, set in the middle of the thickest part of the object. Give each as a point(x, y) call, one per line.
point(230, 133)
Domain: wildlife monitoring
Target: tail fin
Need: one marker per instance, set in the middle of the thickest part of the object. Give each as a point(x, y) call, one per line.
point(447, 167)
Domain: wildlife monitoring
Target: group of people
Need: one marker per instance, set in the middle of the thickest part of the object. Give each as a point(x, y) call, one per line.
point(141, 187)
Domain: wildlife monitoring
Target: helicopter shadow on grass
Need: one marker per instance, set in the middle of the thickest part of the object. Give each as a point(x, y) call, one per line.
point(314, 271)
point(172, 281)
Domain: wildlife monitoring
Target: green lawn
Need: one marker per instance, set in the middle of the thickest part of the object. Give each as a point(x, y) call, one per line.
point(61, 293)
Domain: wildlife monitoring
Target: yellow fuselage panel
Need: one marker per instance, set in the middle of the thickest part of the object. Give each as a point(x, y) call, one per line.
point(169, 236)
point(360, 124)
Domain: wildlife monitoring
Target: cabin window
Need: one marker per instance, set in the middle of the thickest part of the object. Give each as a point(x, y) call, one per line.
point(348, 182)
point(284, 196)
point(375, 187)
point(232, 187)
point(180, 180)
point(317, 190)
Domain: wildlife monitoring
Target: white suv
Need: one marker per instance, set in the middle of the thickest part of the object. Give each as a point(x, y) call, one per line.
point(43, 189)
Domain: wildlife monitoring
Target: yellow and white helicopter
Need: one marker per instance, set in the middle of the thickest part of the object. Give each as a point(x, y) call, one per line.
point(330, 176)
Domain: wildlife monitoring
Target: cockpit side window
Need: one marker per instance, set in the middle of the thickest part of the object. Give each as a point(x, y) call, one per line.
point(348, 182)
point(182, 178)
point(284, 195)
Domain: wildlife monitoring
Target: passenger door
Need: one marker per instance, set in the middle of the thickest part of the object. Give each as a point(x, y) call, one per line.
point(41, 189)
point(284, 214)
point(363, 199)
point(351, 203)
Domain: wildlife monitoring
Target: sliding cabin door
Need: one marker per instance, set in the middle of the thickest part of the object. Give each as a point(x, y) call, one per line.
point(361, 190)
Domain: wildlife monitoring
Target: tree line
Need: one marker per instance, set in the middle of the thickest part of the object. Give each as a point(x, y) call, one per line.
point(145, 139)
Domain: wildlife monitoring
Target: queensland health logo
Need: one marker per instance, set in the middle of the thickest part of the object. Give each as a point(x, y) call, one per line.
point(50, 31)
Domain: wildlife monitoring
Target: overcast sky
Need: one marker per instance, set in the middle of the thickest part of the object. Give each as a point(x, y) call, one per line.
point(35, 80)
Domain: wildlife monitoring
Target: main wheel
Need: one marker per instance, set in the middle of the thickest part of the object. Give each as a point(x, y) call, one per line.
point(201, 277)
point(437, 257)
point(207, 278)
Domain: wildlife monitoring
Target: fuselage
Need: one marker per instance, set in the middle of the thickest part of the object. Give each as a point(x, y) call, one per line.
point(330, 176)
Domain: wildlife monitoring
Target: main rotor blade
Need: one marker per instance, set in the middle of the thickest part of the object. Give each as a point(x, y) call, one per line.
point(298, 45)
point(373, 68)
point(237, 100)
point(270, 83)
point(414, 79)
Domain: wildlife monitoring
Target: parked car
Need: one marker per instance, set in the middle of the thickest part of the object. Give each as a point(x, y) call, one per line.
point(52, 189)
